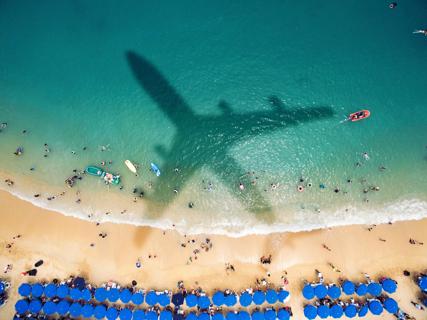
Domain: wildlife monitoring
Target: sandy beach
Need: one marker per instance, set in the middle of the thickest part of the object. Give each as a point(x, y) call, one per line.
point(70, 246)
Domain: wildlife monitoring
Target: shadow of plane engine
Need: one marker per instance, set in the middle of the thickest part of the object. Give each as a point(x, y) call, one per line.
point(204, 140)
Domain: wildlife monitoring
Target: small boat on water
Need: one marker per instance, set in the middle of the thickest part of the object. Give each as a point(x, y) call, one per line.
point(130, 166)
point(155, 169)
point(359, 115)
point(106, 176)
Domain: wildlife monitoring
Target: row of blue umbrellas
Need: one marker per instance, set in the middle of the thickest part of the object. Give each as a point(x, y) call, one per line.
point(350, 311)
point(101, 294)
point(375, 289)
point(76, 309)
point(152, 298)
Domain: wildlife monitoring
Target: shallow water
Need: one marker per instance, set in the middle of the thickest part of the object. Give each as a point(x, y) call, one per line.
point(217, 91)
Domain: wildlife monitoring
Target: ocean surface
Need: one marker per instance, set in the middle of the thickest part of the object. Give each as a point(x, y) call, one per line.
point(239, 104)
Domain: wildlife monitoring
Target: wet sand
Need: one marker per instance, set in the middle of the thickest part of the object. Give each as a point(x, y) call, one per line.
point(64, 243)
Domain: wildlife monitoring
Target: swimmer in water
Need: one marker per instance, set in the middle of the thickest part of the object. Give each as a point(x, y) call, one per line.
point(365, 156)
point(241, 186)
point(392, 5)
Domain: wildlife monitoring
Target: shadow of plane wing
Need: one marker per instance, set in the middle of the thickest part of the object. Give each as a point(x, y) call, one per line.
point(232, 174)
point(159, 89)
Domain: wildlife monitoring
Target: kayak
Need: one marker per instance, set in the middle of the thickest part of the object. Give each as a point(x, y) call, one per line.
point(106, 176)
point(155, 169)
point(359, 115)
point(130, 166)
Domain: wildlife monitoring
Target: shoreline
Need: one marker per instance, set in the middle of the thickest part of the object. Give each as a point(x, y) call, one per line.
point(413, 209)
point(64, 244)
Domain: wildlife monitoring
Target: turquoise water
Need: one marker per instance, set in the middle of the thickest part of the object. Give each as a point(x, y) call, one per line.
point(217, 90)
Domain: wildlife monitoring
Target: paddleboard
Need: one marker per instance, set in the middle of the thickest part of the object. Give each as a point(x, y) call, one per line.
point(130, 166)
point(155, 169)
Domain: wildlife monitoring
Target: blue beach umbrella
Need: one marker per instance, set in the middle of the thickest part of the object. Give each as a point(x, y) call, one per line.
point(2, 288)
point(310, 312)
point(363, 311)
point(422, 283)
point(320, 291)
point(258, 297)
point(271, 296)
point(270, 314)
point(62, 307)
point(178, 299)
point(137, 298)
point(391, 305)
point(24, 289)
point(99, 312)
point(21, 306)
point(86, 295)
point(75, 310)
point(218, 298)
point(257, 315)
point(283, 295)
point(79, 283)
point(389, 285)
point(113, 294)
point(375, 307)
point(362, 289)
point(243, 315)
point(165, 315)
point(101, 294)
point(334, 292)
point(350, 311)
point(111, 313)
point(37, 290)
point(49, 307)
point(75, 294)
point(231, 315)
point(87, 311)
point(336, 311)
point(164, 299)
point(50, 290)
point(138, 315)
point(348, 287)
point(62, 291)
point(151, 315)
point(191, 316)
point(323, 311)
point(283, 314)
point(35, 306)
point(374, 289)
point(203, 316)
point(125, 314)
point(151, 298)
point(218, 316)
point(203, 302)
point(125, 295)
point(245, 299)
point(230, 300)
point(308, 292)
point(190, 300)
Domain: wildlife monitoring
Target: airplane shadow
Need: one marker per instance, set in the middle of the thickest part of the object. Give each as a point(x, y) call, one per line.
point(205, 140)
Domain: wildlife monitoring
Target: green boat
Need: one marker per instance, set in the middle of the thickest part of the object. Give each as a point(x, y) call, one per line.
point(106, 176)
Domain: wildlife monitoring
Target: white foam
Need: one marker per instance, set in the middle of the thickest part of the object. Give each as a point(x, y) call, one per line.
point(408, 209)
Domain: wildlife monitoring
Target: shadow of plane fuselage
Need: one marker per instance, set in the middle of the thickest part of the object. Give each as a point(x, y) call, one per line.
point(204, 140)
